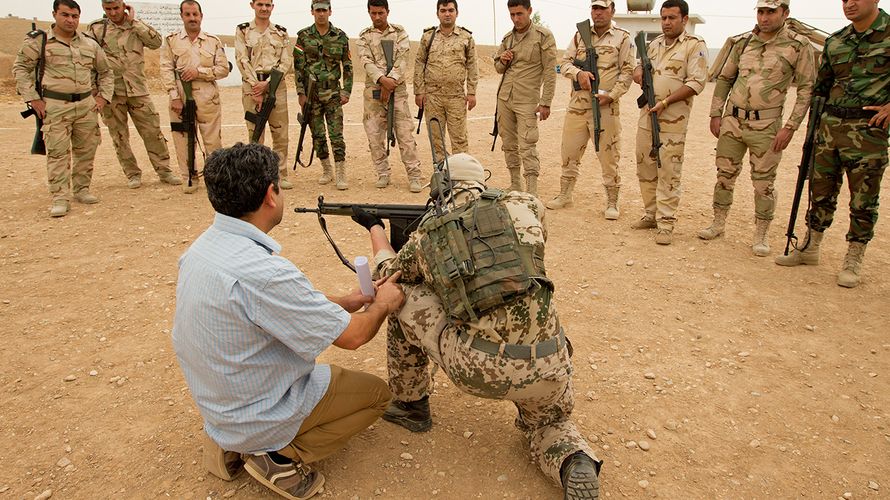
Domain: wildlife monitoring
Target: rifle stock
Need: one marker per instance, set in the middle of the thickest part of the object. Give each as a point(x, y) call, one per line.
point(38, 146)
point(648, 96)
point(188, 126)
point(303, 118)
point(590, 64)
point(261, 118)
point(804, 169)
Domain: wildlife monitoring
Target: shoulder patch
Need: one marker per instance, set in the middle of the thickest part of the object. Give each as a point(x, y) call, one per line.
point(398, 27)
point(362, 32)
point(280, 28)
point(243, 26)
point(464, 29)
point(543, 30)
point(431, 28)
point(619, 28)
point(35, 33)
point(213, 37)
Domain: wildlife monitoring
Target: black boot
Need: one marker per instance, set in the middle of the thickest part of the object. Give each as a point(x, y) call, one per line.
point(579, 477)
point(412, 415)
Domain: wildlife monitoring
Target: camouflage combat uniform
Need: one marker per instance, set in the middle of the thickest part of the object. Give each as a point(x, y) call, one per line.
point(682, 63)
point(326, 57)
point(257, 53)
point(207, 55)
point(440, 72)
point(370, 52)
point(540, 388)
point(124, 45)
point(71, 127)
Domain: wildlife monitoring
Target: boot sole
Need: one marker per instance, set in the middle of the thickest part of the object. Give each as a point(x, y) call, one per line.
point(411, 425)
point(268, 484)
point(582, 488)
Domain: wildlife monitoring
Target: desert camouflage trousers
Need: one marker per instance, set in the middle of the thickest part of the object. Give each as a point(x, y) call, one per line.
point(853, 148)
point(375, 117)
point(540, 388)
point(756, 137)
point(660, 187)
point(577, 133)
point(452, 114)
point(71, 134)
point(331, 112)
point(209, 124)
point(277, 126)
point(518, 128)
point(148, 125)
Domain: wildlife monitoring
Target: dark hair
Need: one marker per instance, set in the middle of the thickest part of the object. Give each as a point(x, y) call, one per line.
point(67, 3)
point(684, 7)
point(440, 3)
point(190, 2)
point(378, 3)
point(519, 3)
point(238, 177)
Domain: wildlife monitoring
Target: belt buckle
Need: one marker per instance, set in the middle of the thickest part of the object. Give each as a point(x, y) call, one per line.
point(75, 97)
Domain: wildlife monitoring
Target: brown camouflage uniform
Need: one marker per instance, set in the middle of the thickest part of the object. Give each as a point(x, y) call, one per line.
point(540, 388)
point(70, 129)
point(124, 46)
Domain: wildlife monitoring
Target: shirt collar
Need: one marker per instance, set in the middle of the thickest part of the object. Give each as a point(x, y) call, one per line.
point(245, 229)
point(51, 34)
point(183, 34)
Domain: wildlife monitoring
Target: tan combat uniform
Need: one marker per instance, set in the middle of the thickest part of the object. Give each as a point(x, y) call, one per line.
point(124, 45)
point(682, 63)
point(71, 127)
point(257, 53)
point(207, 55)
point(370, 53)
point(440, 72)
point(533, 64)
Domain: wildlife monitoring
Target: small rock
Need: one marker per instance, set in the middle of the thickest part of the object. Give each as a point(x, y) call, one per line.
point(848, 495)
point(649, 376)
point(468, 435)
point(754, 443)
point(811, 328)
point(631, 444)
point(63, 462)
point(4, 489)
point(873, 486)
point(651, 434)
point(406, 456)
point(70, 468)
point(93, 373)
point(643, 484)
point(590, 395)
point(629, 263)
point(593, 438)
point(230, 493)
point(404, 443)
point(45, 495)
point(671, 425)
point(835, 418)
point(644, 445)
point(744, 354)
point(872, 374)
point(121, 381)
point(70, 378)
point(502, 478)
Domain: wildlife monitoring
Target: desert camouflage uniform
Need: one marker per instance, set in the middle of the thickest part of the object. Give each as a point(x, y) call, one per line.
point(855, 72)
point(540, 388)
point(370, 53)
point(326, 57)
point(124, 45)
point(257, 53)
point(615, 62)
point(758, 80)
point(450, 62)
point(70, 129)
point(684, 62)
point(533, 64)
point(207, 55)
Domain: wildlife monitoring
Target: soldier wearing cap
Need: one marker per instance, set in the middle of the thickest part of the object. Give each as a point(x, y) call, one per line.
point(445, 77)
point(680, 70)
point(66, 103)
point(615, 63)
point(379, 86)
point(192, 55)
point(746, 113)
point(852, 138)
point(260, 48)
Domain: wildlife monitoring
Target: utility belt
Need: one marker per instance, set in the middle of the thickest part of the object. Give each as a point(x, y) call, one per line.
point(515, 351)
point(849, 113)
point(756, 114)
point(59, 96)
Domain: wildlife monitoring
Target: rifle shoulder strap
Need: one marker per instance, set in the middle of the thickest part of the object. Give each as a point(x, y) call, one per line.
point(429, 46)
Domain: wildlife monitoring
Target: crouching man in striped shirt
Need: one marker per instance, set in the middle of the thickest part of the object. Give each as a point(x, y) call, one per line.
point(248, 328)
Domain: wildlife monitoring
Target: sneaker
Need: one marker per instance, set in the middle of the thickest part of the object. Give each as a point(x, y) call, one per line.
point(382, 182)
point(59, 208)
point(413, 415)
point(415, 186)
point(645, 222)
point(293, 480)
point(285, 184)
point(134, 182)
point(579, 477)
point(664, 237)
point(170, 178)
point(84, 196)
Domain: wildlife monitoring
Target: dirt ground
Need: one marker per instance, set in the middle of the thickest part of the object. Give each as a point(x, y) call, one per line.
point(744, 380)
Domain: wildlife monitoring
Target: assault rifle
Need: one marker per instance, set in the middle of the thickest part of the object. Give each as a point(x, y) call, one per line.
point(389, 54)
point(494, 130)
point(188, 125)
point(303, 118)
point(425, 62)
point(589, 64)
point(38, 147)
point(260, 118)
point(805, 170)
point(648, 96)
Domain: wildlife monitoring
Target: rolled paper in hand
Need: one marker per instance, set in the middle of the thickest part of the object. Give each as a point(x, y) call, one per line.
point(364, 276)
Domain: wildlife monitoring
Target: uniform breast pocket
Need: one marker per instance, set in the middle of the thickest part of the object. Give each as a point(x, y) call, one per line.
point(60, 56)
point(334, 52)
point(607, 55)
point(530, 52)
point(206, 57)
point(876, 60)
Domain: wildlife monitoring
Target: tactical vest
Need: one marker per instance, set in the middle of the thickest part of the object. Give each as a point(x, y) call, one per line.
point(476, 260)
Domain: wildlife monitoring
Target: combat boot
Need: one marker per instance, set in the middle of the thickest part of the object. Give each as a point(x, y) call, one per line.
point(809, 255)
point(283, 183)
point(341, 176)
point(327, 171)
point(646, 222)
point(170, 178)
point(579, 477)
point(382, 181)
point(412, 415)
point(414, 185)
point(717, 227)
point(531, 185)
point(134, 182)
point(515, 180)
point(849, 276)
point(59, 208)
point(611, 212)
point(564, 199)
point(761, 237)
point(84, 196)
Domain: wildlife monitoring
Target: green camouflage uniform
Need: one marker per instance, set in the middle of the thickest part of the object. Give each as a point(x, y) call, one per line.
point(325, 57)
point(758, 80)
point(540, 388)
point(855, 72)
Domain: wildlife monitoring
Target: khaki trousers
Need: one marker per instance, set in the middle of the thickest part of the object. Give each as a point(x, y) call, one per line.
point(578, 131)
point(403, 127)
point(660, 187)
point(354, 401)
point(148, 125)
point(518, 128)
point(209, 125)
point(452, 114)
point(277, 126)
point(71, 134)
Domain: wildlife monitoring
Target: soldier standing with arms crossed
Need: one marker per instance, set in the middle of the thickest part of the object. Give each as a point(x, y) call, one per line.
point(260, 48)
point(852, 138)
point(526, 58)
point(194, 56)
point(446, 60)
point(381, 84)
point(322, 53)
point(680, 67)
point(615, 62)
point(124, 40)
point(756, 77)
point(73, 63)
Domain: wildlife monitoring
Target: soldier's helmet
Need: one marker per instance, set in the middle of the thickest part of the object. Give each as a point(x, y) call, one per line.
point(465, 171)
